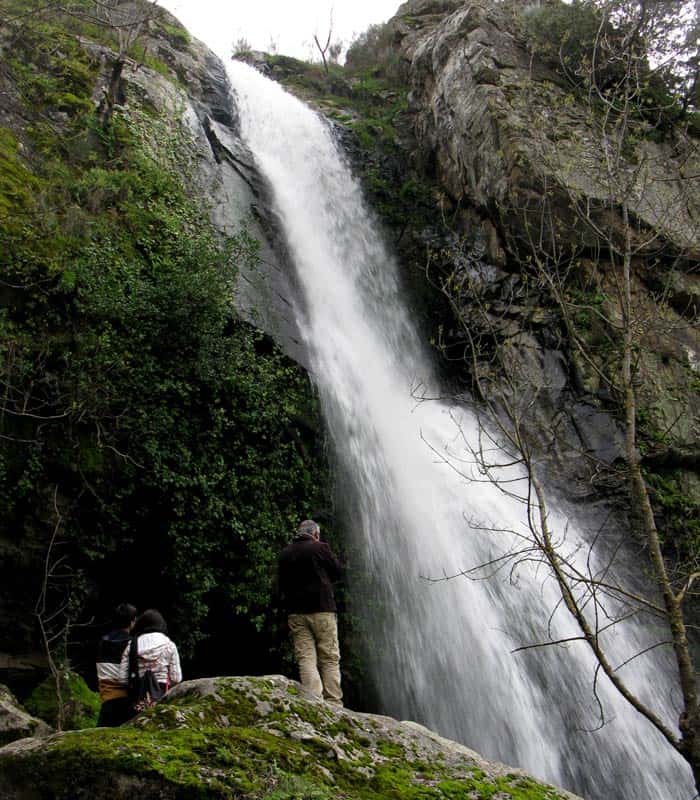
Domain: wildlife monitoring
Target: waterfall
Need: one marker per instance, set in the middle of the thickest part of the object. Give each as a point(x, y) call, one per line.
point(441, 650)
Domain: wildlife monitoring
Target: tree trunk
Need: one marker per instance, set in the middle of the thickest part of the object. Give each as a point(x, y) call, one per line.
point(114, 94)
point(689, 723)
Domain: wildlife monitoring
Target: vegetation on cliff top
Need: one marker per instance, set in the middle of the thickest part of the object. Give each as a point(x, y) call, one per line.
point(578, 39)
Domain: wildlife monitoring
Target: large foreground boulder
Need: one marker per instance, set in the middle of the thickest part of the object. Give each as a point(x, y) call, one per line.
point(251, 738)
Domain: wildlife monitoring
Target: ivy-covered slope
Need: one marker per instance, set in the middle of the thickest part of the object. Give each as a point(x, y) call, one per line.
point(155, 448)
point(250, 738)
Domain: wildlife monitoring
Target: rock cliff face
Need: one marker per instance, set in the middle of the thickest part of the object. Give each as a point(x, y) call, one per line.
point(237, 195)
point(515, 154)
point(502, 126)
point(248, 738)
point(190, 86)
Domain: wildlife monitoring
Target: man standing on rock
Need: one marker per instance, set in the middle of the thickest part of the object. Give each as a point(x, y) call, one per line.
point(307, 570)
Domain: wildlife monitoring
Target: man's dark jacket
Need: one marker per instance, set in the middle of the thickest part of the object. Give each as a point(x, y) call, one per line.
point(306, 571)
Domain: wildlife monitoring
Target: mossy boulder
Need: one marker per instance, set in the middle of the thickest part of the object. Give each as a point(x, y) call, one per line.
point(15, 722)
point(80, 705)
point(257, 738)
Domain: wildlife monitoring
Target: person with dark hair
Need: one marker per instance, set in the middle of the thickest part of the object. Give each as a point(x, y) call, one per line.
point(153, 651)
point(307, 569)
point(111, 684)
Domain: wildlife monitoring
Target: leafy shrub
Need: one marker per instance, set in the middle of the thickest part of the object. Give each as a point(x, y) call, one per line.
point(374, 51)
point(592, 49)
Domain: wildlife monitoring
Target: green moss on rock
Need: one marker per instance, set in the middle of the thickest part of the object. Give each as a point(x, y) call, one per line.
point(80, 705)
point(250, 738)
point(16, 180)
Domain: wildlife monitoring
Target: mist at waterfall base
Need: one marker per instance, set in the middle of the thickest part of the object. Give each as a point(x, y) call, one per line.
point(441, 651)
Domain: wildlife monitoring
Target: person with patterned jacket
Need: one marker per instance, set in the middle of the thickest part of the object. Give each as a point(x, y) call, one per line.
point(111, 684)
point(154, 651)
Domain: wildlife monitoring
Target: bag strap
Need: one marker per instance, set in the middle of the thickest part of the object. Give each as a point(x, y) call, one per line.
point(133, 664)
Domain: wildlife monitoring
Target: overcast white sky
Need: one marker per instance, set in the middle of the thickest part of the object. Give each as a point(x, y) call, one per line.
point(290, 24)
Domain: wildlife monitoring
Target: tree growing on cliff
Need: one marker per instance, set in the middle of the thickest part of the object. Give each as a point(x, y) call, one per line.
point(632, 89)
point(123, 23)
point(330, 51)
point(127, 21)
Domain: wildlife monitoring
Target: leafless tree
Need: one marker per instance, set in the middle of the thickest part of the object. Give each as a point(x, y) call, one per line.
point(127, 20)
point(52, 609)
point(615, 228)
point(329, 52)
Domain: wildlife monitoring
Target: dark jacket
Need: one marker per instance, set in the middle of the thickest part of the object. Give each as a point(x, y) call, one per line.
point(306, 571)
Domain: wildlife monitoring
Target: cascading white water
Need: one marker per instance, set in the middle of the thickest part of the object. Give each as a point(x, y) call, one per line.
point(441, 651)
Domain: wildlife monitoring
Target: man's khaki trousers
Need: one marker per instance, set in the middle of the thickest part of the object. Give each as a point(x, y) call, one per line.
point(318, 656)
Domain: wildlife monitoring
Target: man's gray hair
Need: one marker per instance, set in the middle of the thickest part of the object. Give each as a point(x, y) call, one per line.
point(308, 526)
